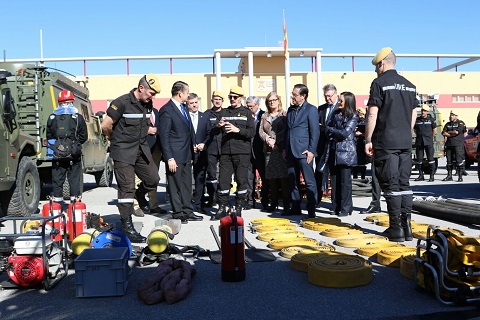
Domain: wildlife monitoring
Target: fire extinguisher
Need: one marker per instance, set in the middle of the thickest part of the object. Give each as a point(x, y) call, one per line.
point(233, 248)
point(51, 209)
point(77, 218)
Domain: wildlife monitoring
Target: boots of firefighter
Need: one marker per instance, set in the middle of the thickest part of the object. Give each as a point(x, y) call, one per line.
point(460, 173)
point(449, 174)
point(420, 173)
point(406, 225)
point(222, 212)
point(395, 232)
point(241, 201)
point(432, 172)
point(126, 211)
point(212, 194)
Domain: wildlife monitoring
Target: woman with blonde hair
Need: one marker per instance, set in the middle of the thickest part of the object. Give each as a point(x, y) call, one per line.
point(271, 132)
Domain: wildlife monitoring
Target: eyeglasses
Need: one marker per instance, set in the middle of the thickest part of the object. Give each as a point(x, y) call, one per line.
point(272, 100)
point(231, 97)
point(329, 95)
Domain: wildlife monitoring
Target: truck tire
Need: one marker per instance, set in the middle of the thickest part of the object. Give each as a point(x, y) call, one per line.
point(105, 177)
point(66, 188)
point(26, 193)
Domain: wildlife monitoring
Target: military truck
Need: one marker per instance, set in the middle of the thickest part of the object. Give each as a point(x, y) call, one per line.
point(438, 139)
point(28, 97)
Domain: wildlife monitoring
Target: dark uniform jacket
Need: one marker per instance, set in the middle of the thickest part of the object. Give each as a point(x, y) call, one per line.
point(214, 140)
point(424, 130)
point(322, 119)
point(241, 142)
point(457, 140)
point(257, 142)
point(395, 98)
point(130, 130)
point(77, 125)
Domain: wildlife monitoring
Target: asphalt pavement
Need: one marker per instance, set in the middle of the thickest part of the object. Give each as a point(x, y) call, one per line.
point(271, 290)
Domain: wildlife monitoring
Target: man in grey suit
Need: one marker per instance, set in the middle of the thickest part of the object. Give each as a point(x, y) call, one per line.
point(177, 137)
point(302, 132)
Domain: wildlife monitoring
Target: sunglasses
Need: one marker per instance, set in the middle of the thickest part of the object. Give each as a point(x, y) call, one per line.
point(232, 97)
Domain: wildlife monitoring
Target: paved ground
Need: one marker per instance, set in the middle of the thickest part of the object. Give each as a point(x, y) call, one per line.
point(272, 290)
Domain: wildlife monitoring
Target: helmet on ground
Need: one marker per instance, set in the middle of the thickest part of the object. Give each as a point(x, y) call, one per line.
point(65, 96)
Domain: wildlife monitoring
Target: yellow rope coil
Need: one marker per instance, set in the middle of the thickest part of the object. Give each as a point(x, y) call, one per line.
point(327, 220)
point(406, 265)
point(371, 250)
point(280, 244)
point(355, 241)
point(324, 226)
point(269, 221)
point(300, 261)
point(390, 257)
point(338, 232)
point(269, 228)
point(279, 234)
point(383, 223)
point(289, 252)
point(376, 217)
point(340, 271)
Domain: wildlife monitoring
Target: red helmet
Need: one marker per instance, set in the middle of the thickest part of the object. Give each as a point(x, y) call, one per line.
point(65, 95)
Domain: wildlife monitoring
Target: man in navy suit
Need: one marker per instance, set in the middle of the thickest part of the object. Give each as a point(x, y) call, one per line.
point(324, 113)
point(301, 138)
point(177, 137)
point(201, 126)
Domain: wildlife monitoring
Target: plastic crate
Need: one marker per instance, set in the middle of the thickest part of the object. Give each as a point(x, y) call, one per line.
point(101, 272)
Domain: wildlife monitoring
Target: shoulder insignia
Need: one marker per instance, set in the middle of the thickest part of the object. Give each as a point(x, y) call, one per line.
point(52, 116)
point(74, 116)
point(239, 114)
point(114, 107)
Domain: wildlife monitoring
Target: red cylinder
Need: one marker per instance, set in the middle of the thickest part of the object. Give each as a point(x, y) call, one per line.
point(77, 219)
point(233, 248)
point(51, 209)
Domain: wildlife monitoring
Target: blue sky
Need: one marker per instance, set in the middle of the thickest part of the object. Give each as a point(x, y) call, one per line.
point(118, 28)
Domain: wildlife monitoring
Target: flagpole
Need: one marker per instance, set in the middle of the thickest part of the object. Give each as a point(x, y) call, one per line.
point(287, 59)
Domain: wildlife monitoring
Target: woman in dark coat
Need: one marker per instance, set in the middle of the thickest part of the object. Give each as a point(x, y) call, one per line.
point(342, 155)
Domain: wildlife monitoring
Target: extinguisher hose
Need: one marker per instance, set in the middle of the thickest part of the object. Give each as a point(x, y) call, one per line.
point(74, 219)
point(235, 224)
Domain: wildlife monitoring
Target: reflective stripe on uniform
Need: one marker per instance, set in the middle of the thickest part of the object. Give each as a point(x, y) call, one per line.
point(242, 191)
point(135, 115)
point(235, 118)
point(397, 193)
point(224, 191)
point(211, 181)
point(126, 200)
point(58, 199)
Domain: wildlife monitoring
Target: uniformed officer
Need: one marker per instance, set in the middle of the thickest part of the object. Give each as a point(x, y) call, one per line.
point(425, 129)
point(237, 129)
point(66, 122)
point(213, 149)
point(127, 125)
point(390, 119)
point(454, 132)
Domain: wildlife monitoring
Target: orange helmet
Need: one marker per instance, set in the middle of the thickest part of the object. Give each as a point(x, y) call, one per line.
point(65, 95)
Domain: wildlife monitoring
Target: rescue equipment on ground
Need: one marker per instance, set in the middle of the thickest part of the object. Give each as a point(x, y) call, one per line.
point(158, 239)
point(406, 265)
point(448, 267)
point(355, 241)
point(390, 257)
point(112, 239)
point(51, 209)
point(371, 250)
point(77, 218)
point(280, 244)
point(279, 234)
point(447, 209)
point(84, 240)
point(300, 261)
point(231, 231)
point(289, 252)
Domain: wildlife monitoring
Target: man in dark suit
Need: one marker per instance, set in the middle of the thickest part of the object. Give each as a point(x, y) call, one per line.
point(301, 138)
point(201, 126)
point(177, 137)
point(257, 161)
point(324, 113)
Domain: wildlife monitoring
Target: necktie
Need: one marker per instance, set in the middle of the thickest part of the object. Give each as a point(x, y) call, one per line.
point(184, 113)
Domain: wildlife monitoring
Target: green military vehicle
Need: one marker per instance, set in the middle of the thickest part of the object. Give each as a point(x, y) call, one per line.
point(28, 97)
point(438, 139)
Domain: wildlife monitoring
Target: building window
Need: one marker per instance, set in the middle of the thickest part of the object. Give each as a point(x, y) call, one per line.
point(459, 98)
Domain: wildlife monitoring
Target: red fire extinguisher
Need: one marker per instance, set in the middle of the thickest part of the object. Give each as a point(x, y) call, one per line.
point(233, 248)
point(77, 218)
point(52, 208)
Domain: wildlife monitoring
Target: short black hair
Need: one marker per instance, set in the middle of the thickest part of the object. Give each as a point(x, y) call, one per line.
point(303, 90)
point(177, 87)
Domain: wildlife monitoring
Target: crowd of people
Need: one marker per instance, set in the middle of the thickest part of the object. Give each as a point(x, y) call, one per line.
point(275, 154)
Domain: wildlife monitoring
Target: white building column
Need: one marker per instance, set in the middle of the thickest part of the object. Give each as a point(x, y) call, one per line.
point(251, 92)
point(319, 77)
point(287, 80)
point(218, 71)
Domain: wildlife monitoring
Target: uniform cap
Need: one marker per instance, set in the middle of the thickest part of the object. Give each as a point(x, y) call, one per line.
point(237, 90)
point(382, 54)
point(218, 94)
point(454, 113)
point(153, 82)
point(425, 107)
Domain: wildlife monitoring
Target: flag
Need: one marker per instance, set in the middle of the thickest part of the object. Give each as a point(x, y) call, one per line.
point(285, 37)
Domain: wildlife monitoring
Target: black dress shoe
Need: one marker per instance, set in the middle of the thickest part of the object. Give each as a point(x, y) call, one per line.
point(158, 210)
point(199, 209)
point(271, 208)
point(182, 217)
point(371, 209)
point(193, 217)
point(249, 206)
point(293, 212)
point(311, 215)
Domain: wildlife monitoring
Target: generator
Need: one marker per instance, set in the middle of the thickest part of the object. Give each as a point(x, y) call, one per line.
point(31, 257)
